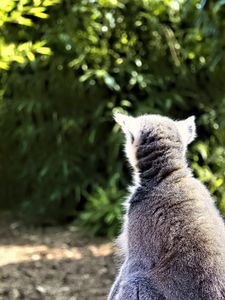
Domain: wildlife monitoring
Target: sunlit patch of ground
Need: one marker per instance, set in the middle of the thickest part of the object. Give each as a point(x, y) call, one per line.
point(15, 254)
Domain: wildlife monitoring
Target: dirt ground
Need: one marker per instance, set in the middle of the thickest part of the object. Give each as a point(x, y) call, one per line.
point(54, 263)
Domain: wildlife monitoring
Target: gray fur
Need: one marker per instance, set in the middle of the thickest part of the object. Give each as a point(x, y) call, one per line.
point(173, 239)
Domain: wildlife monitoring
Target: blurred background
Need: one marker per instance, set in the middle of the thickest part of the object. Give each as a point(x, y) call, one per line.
point(65, 67)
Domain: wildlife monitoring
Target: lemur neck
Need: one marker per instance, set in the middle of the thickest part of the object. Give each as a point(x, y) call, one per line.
point(157, 159)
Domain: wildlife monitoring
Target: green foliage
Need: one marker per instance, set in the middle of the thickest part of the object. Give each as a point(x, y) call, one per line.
point(15, 15)
point(67, 65)
point(103, 210)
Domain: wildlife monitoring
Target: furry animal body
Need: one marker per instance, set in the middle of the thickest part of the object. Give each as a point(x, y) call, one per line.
point(173, 237)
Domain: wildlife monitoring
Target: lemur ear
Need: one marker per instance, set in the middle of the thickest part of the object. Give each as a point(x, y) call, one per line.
point(191, 127)
point(126, 122)
point(187, 129)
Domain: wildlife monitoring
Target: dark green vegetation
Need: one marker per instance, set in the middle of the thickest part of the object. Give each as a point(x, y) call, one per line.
point(66, 65)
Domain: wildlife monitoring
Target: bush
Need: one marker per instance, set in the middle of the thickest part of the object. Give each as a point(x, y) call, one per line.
point(66, 66)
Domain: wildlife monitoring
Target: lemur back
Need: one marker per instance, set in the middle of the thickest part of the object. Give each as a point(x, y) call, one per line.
point(173, 237)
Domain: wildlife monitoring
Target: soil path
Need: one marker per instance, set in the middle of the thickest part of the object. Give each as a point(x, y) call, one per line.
point(53, 263)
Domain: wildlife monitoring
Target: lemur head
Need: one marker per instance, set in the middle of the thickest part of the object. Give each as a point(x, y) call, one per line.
point(154, 128)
